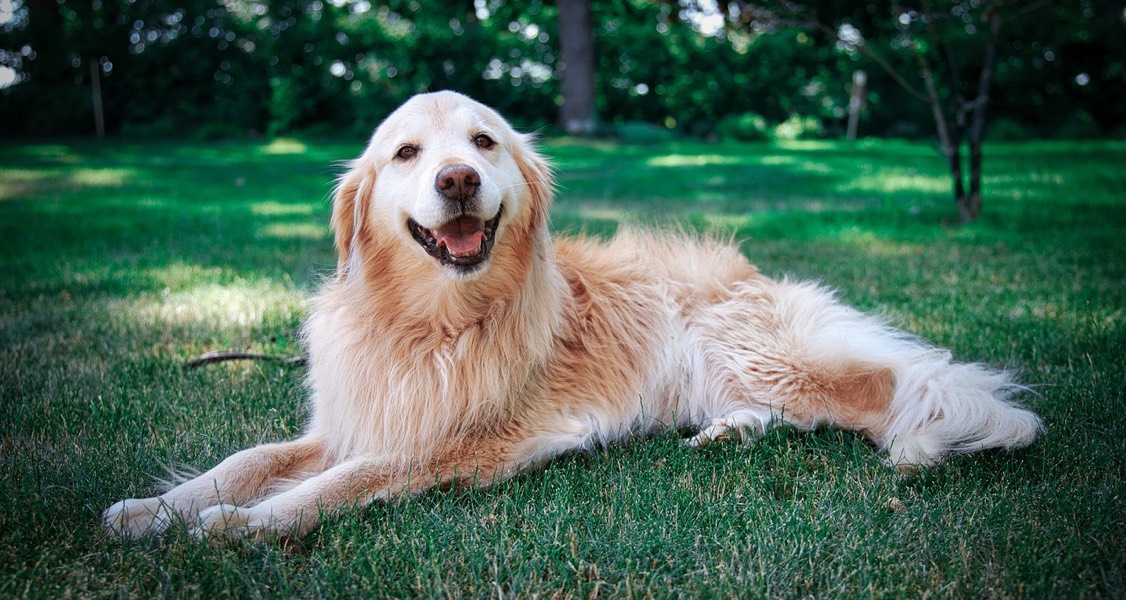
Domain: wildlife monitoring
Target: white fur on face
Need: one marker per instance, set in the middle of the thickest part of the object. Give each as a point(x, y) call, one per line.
point(442, 132)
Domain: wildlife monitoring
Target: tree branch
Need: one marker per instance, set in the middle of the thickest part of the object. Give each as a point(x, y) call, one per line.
point(931, 97)
point(1024, 10)
point(995, 21)
point(958, 99)
point(797, 17)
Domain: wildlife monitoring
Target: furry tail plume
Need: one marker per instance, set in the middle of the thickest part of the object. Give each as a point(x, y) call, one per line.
point(937, 406)
point(941, 407)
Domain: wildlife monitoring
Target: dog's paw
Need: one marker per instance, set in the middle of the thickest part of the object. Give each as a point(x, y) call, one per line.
point(707, 436)
point(910, 453)
point(226, 521)
point(744, 425)
point(221, 521)
point(135, 518)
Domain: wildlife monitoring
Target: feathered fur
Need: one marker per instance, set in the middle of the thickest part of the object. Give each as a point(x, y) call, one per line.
point(424, 371)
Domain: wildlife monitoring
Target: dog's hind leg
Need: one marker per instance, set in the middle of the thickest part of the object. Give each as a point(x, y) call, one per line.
point(793, 350)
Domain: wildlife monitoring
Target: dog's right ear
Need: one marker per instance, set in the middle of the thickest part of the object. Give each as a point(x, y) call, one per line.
point(349, 213)
point(537, 174)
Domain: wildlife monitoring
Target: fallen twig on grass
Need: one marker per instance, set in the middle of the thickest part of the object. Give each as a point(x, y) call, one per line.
point(214, 357)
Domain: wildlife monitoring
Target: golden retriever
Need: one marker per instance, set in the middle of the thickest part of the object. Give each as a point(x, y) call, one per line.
point(458, 344)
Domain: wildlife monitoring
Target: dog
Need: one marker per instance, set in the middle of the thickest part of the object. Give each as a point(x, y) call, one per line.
point(459, 344)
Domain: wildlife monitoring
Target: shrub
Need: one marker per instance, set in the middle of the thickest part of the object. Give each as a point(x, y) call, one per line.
point(216, 131)
point(747, 127)
point(797, 127)
point(905, 130)
point(1005, 129)
point(161, 127)
point(1079, 125)
point(329, 131)
point(643, 133)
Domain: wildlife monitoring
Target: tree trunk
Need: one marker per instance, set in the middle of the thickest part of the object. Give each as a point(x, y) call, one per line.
point(96, 97)
point(856, 101)
point(951, 146)
point(977, 125)
point(970, 206)
point(576, 50)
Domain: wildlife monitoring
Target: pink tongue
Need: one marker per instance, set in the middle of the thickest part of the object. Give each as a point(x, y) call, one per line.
point(461, 237)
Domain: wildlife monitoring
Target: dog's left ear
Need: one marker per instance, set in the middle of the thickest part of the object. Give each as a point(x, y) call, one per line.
point(349, 212)
point(537, 174)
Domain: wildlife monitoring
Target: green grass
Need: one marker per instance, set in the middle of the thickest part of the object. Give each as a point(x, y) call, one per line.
point(122, 261)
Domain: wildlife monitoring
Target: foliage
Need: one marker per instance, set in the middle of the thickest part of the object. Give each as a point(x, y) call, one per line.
point(1005, 129)
point(747, 127)
point(279, 67)
point(121, 260)
point(1079, 125)
point(798, 127)
point(641, 133)
point(750, 127)
point(1053, 56)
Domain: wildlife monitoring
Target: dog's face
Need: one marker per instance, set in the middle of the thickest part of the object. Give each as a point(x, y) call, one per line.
point(444, 176)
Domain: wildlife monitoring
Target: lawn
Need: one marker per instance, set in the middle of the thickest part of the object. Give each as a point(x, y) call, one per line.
point(121, 261)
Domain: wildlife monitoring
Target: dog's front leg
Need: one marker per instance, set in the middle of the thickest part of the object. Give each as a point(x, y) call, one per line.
point(240, 478)
point(358, 481)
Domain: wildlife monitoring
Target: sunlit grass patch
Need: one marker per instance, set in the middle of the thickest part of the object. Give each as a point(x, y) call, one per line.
point(284, 146)
point(693, 160)
point(214, 306)
point(180, 275)
point(807, 145)
point(30, 184)
point(873, 246)
point(885, 182)
point(775, 160)
point(271, 209)
point(308, 231)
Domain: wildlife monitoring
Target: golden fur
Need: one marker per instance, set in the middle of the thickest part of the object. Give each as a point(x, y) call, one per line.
point(435, 361)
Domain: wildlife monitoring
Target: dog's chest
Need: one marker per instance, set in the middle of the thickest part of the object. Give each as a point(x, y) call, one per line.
point(401, 388)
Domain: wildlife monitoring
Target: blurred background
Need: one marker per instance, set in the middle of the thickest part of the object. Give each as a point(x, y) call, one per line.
point(635, 70)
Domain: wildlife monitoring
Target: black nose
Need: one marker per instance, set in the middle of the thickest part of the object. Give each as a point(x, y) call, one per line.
point(457, 182)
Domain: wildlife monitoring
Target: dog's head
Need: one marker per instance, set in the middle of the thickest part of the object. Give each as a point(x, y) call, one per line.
point(444, 181)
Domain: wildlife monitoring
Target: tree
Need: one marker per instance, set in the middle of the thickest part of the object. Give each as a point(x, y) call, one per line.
point(966, 31)
point(163, 65)
point(576, 49)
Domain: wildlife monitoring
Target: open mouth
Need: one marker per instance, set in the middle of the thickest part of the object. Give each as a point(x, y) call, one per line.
point(462, 242)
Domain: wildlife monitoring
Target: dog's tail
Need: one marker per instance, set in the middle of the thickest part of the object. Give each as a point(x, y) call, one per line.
point(936, 407)
point(941, 407)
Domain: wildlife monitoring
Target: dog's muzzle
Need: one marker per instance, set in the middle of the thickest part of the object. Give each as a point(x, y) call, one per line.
point(463, 242)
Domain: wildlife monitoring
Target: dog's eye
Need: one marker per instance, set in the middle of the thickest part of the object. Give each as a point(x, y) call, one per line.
point(407, 152)
point(484, 142)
